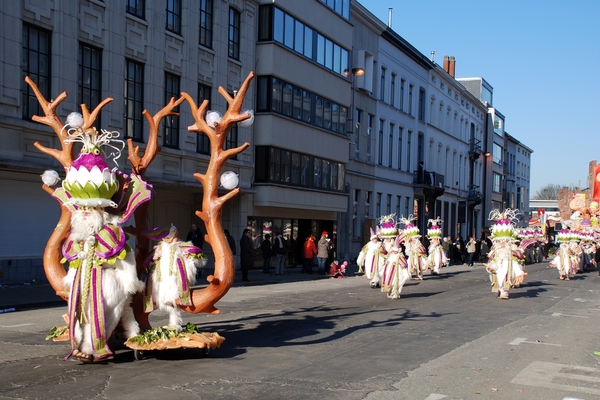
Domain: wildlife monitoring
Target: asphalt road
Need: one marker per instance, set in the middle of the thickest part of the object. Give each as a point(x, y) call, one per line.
point(446, 337)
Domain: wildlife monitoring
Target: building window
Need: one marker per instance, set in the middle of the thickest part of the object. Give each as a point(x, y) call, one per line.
point(368, 196)
point(356, 201)
point(391, 145)
point(402, 84)
point(497, 181)
point(400, 134)
point(408, 151)
point(206, 23)
point(202, 141)
point(232, 140)
point(357, 116)
point(398, 201)
point(171, 122)
point(174, 16)
point(410, 99)
point(233, 45)
point(378, 204)
point(283, 28)
point(275, 95)
point(393, 90)
point(134, 95)
point(422, 104)
point(369, 138)
point(35, 63)
point(342, 7)
point(389, 204)
point(382, 85)
point(497, 153)
point(275, 165)
point(380, 139)
point(406, 205)
point(89, 76)
point(137, 8)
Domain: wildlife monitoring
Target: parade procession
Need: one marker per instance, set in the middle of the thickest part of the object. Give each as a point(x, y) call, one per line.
point(396, 253)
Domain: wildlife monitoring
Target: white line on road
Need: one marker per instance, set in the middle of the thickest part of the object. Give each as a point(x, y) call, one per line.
point(557, 314)
point(545, 374)
point(435, 396)
point(520, 340)
point(16, 326)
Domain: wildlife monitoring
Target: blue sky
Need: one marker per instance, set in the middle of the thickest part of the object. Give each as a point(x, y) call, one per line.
point(542, 59)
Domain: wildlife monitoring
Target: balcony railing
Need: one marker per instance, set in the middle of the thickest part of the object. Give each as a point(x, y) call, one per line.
point(474, 195)
point(428, 178)
point(474, 148)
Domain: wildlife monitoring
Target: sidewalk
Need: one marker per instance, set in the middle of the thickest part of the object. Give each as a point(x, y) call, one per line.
point(40, 295)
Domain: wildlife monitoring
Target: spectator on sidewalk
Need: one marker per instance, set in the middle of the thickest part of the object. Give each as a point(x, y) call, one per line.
point(266, 253)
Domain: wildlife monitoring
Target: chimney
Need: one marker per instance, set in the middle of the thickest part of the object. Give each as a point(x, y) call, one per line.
point(390, 17)
point(446, 61)
point(451, 66)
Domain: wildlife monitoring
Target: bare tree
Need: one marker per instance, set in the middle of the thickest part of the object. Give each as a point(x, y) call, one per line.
point(548, 192)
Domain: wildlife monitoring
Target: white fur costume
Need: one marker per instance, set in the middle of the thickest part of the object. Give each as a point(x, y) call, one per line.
point(437, 257)
point(118, 284)
point(171, 274)
point(369, 256)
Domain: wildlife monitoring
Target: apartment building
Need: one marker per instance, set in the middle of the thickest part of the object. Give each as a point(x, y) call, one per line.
point(351, 121)
point(140, 54)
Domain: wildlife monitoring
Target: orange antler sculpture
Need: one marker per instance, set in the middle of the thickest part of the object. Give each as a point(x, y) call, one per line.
point(203, 300)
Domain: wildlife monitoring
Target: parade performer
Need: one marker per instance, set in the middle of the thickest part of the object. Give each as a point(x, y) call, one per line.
point(563, 257)
point(102, 276)
point(171, 270)
point(414, 249)
point(506, 258)
point(387, 233)
point(368, 258)
point(588, 250)
point(395, 271)
point(437, 257)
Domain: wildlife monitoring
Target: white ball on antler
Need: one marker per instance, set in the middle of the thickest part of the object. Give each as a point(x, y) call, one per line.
point(213, 117)
point(75, 120)
point(50, 177)
point(247, 122)
point(229, 180)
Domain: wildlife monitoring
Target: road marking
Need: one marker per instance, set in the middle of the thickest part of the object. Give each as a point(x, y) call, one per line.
point(16, 326)
point(557, 314)
point(435, 396)
point(520, 340)
point(573, 378)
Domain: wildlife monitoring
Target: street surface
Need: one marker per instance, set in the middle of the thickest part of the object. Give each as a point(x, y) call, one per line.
point(448, 337)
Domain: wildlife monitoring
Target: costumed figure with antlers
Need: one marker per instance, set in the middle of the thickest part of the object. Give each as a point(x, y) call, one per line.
point(369, 256)
point(415, 251)
point(437, 257)
point(505, 257)
point(102, 276)
point(171, 270)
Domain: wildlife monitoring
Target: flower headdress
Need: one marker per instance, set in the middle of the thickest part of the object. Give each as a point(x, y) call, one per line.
point(89, 181)
point(435, 230)
point(388, 225)
point(410, 230)
point(503, 229)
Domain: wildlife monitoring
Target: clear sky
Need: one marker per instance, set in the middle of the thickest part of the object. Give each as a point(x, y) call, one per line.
point(542, 57)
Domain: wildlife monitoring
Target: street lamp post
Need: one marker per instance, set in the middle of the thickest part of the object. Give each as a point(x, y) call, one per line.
point(350, 130)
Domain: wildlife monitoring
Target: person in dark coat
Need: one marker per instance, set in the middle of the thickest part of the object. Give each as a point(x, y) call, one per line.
point(230, 240)
point(266, 253)
point(246, 254)
point(195, 236)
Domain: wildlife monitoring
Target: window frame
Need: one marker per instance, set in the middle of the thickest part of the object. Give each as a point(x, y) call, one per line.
point(133, 117)
point(233, 35)
point(41, 51)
